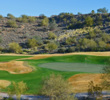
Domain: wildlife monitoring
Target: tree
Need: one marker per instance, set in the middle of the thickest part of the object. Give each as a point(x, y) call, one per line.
point(15, 47)
point(92, 12)
point(12, 24)
point(52, 35)
point(57, 88)
point(32, 43)
point(45, 22)
point(89, 21)
point(10, 16)
point(17, 88)
point(102, 10)
point(51, 46)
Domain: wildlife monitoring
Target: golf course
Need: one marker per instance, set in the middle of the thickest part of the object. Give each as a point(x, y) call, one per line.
point(78, 69)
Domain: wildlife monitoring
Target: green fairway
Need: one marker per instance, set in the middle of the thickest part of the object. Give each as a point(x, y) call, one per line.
point(9, 58)
point(34, 79)
point(78, 67)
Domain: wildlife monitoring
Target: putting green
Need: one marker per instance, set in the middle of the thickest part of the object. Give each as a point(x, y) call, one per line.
point(78, 67)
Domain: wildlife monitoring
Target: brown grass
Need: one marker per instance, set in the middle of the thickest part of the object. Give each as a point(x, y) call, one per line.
point(4, 83)
point(80, 81)
point(15, 67)
point(40, 56)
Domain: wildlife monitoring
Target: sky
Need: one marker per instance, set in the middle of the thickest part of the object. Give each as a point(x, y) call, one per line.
point(50, 7)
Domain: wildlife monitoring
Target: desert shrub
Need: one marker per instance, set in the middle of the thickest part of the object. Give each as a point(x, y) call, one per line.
point(17, 88)
point(102, 44)
point(62, 50)
point(12, 24)
point(105, 37)
point(52, 35)
point(89, 21)
point(95, 90)
point(53, 25)
point(92, 34)
point(70, 40)
point(15, 47)
point(51, 46)
point(71, 49)
point(32, 43)
point(1, 16)
point(31, 19)
point(45, 22)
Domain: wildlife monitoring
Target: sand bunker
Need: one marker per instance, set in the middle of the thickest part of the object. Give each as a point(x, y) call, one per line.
point(4, 83)
point(80, 81)
point(15, 67)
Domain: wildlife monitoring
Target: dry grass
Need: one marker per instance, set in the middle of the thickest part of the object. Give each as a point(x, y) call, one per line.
point(15, 67)
point(4, 83)
point(40, 56)
point(80, 81)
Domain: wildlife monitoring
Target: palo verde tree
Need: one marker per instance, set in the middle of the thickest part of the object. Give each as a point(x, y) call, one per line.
point(57, 88)
point(102, 10)
point(17, 88)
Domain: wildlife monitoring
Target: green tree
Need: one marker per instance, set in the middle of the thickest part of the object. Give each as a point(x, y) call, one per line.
point(51, 46)
point(15, 47)
point(57, 88)
point(12, 24)
point(89, 21)
point(10, 16)
point(102, 10)
point(17, 88)
point(52, 35)
point(45, 22)
point(92, 12)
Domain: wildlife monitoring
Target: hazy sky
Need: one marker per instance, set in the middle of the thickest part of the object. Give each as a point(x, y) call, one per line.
point(50, 7)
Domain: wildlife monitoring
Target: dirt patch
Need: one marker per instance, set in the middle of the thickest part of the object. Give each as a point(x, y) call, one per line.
point(4, 83)
point(15, 67)
point(80, 81)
